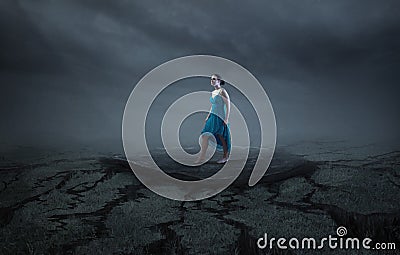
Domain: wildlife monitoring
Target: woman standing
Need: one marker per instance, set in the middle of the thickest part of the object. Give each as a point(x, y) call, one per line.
point(217, 121)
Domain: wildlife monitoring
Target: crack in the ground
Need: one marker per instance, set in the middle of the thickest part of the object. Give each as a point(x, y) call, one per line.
point(172, 242)
point(6, 213)
point(97, 219)
point(383, 227)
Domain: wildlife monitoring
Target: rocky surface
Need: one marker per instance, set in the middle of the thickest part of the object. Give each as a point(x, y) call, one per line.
point(81, 202)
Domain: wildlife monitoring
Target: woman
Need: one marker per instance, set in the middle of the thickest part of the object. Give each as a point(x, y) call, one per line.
point(217, 121)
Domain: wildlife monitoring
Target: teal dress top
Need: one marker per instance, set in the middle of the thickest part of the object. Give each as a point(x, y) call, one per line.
point(215, 124)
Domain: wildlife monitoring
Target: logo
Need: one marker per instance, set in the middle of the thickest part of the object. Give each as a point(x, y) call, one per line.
point(341, 231)
point(332, 242)
point(147, 90)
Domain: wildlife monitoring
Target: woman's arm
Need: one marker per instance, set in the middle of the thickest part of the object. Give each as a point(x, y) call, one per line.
point(208, 114)
point(227, 101)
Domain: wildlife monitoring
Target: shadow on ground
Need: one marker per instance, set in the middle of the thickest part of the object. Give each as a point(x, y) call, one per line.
point(85, 203)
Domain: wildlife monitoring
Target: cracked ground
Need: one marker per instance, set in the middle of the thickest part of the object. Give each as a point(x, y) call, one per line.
point(82, 202)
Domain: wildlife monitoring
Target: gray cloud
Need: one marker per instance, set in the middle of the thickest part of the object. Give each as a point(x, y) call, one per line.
point(67, 67)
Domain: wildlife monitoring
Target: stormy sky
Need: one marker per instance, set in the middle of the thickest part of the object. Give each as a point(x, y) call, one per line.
point(329, 67)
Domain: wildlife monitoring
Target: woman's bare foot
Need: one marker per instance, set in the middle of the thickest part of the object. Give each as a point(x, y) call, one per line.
point(223, 160)
point(199, 160)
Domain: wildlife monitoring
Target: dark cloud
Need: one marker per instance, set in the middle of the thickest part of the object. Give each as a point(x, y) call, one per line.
point(324, 64)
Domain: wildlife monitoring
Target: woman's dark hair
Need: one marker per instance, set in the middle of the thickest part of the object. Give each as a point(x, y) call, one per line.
point(221, 82)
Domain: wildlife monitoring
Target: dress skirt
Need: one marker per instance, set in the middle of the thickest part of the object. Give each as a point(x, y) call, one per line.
point(214, 126)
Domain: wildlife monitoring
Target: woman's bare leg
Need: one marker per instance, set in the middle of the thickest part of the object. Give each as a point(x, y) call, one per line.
point(203, 149)
point(224, 146)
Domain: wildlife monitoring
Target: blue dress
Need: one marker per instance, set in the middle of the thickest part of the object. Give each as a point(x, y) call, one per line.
point(215, 124)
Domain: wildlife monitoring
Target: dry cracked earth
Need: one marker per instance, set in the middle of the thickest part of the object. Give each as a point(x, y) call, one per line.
point(82, 202)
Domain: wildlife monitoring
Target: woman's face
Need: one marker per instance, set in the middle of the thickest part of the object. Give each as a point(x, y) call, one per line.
point(214, 81)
